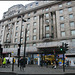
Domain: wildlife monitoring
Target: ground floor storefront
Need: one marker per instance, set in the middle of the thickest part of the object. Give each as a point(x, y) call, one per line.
point(43, 51)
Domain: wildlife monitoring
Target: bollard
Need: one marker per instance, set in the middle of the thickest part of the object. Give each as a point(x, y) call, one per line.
point(13, 65)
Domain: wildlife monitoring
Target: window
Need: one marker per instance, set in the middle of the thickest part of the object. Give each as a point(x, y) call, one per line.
point(17, 22)
point(47, 9)
point(72, 24)
point(9, 20)
point(19, 11)
point(28, 14)
point(25, 7)
point(28, 19)
point(61, 11)
point(15, 46)
point(27, 38)
point(62, 25)
point(15, 39)
point(2, 31)
point(69, 3)
point(27, 45)
point(51, 21)
point(34, 44)
point(16, 34)
point(71, 16)
point(28, 33)
point(47, 15)
point(31, 5)
point(60, 5)
point(28, 25)
point(8, 35)
point(34, 30)
point(61, 18)
point(34, 18)
point(9, 30)
point(42, 10)
point(47, 20)
point(17, 28)
point(34, 12)
point(21, 39)
point(47, 28)
point(69, 9)
point(21, 45)
point(52, 35)
point(72, 32)
point(34, 37)
point(18, 17)
point(13, 23)
point(63, 34)
point(47, 35)
point(73, 40)
point(9, 25)
point(36, 3)
point(51, 27)
point(22, 33)
point(23, 15)
point(34, 24)
point(2, 27)
point(1, 37)
point(22, 26)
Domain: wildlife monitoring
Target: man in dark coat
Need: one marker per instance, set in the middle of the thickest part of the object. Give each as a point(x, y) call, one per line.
point(22, 63)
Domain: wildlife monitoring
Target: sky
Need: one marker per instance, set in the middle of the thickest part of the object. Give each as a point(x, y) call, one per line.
point(4, 5)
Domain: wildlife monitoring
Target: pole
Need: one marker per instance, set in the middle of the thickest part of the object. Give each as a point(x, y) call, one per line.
point(19, 45)
point(25, 42)
point(63, 58)
point(13, 64)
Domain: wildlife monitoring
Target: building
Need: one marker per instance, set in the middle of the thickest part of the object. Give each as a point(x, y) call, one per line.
point(48, 23)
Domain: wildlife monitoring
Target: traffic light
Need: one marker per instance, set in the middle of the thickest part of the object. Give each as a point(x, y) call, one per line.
point(61, 48)
point(19, 50)
point(66, 46)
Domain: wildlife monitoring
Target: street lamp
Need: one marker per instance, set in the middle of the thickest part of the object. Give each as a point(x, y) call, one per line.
point(1, 50)
point(20, 42)
point(25, 44)
point(25, 41)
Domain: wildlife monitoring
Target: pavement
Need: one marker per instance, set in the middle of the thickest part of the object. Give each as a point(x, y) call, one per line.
point(35, 69)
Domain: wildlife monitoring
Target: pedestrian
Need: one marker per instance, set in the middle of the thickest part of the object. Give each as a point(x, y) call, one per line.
point(67, 63)
point(4, 62)
point(41, 63)
point(54, 65)
point(22, 63)
point(7, 63)
point(47, 63)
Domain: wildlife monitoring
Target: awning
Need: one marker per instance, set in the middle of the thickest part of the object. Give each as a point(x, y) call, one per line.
point(49, 50)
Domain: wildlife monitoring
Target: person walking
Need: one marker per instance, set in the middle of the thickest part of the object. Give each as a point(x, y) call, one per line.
point(41, 63)
point(4, 62)
point(22, 63)
point(47, 63)
point(54, 65)
point(8, 63)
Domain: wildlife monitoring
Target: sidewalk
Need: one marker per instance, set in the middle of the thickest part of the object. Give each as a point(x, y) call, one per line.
point(35, 69)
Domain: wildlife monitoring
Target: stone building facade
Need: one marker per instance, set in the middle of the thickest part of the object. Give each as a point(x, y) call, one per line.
point(48, 23)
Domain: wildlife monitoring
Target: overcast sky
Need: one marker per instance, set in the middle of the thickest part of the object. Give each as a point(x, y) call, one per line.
point(4, 5)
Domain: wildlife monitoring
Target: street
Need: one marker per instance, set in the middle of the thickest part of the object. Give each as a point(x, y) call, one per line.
point(34, 69)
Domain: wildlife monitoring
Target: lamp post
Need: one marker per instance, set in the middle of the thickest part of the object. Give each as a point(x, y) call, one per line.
point(25, 45)
point(25, 42)
point(20, 42)
point(1, 50)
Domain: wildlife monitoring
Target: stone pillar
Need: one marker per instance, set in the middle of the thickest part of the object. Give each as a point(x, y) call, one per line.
point(38, 60)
